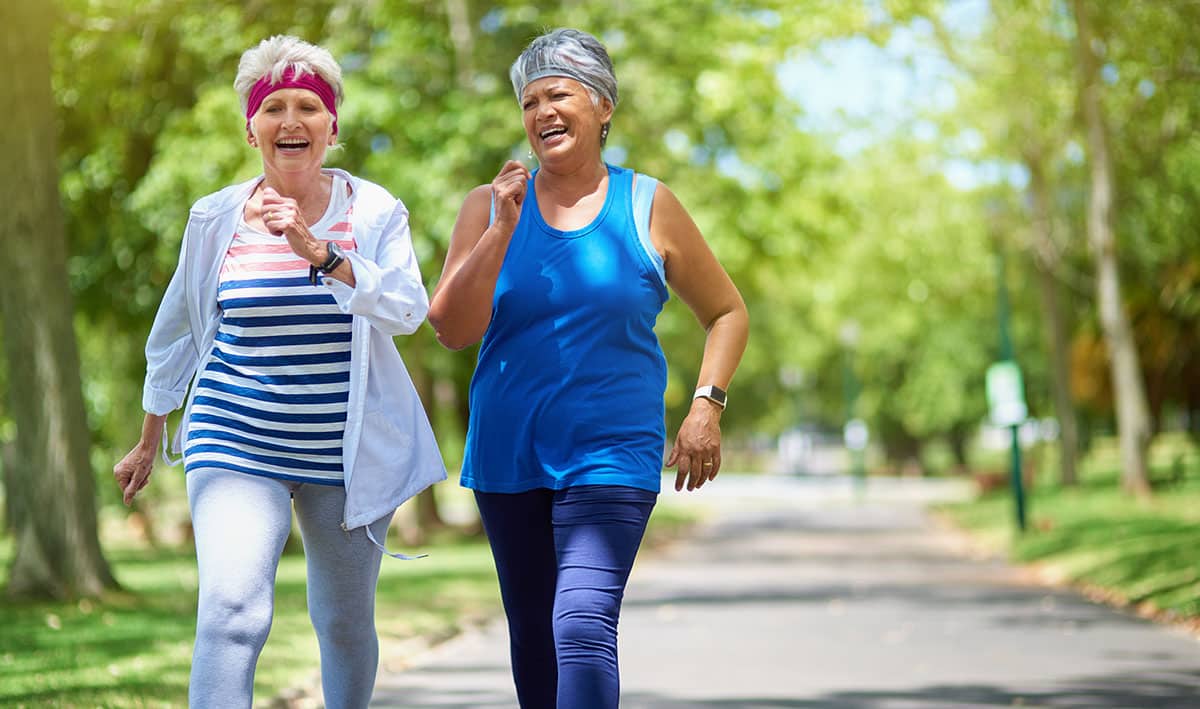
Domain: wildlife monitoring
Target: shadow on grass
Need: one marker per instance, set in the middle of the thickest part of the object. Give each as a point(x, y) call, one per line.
point(1096, 534)
point(133, 693)
point(1141, 557)
point(128, 646)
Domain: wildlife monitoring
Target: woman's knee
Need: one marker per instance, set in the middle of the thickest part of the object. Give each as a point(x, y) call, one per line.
point(587, 627)
point(345, 626)
point(233, 620)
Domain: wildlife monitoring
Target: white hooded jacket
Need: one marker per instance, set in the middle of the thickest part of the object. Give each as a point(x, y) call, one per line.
point(389, 453)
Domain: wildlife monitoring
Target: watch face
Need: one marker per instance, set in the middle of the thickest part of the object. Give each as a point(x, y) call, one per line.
point(713, 393)
point(336, 255)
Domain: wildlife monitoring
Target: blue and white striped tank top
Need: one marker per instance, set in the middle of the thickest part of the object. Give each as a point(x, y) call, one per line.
point(271, 399)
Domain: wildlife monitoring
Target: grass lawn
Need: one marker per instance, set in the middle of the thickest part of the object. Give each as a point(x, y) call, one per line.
point(133, 649)
point(1142, 553)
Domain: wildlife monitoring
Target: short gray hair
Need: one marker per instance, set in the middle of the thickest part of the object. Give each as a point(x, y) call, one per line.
point(274, 55)
point(566, 52)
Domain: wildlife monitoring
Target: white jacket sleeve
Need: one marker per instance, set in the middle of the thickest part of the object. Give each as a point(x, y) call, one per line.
point(171, 355)
point(388, 291)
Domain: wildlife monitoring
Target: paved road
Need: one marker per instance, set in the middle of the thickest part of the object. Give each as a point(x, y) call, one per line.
point(809, 595)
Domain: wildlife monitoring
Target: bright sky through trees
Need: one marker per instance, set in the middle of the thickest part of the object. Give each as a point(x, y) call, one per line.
point(863, 93)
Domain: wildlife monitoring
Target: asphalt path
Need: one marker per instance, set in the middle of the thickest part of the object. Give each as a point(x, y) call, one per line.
point(822, 593)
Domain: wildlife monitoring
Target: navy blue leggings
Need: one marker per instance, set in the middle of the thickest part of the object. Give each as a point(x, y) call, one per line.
point(563, 558)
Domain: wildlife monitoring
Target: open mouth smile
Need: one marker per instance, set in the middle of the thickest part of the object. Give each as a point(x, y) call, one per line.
point(292, 144)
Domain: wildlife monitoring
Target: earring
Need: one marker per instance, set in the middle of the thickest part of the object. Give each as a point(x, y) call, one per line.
point(530, 155)
point(603, 133)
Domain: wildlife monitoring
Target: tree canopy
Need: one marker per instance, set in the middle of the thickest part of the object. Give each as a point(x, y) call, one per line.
point(873, 257)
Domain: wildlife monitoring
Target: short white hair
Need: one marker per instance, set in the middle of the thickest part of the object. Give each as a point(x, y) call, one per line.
point(275, 55)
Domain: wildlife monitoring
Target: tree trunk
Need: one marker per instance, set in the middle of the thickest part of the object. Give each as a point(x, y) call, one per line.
point(1133, 421)
point(52, 487)
point(8, 479)
point(1048, 260)
point(901, 448)
point(464, 43)
point(956, 438)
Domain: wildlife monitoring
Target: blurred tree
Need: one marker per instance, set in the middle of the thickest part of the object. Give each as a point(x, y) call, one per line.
point(1048, 258)
point(1133, 421)
point(49, 482)
point(1150, 65)
point(1022, 45)
point(1023, 95)
point(918, 278)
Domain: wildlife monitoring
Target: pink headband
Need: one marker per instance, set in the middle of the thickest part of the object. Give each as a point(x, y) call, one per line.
point(314, 83)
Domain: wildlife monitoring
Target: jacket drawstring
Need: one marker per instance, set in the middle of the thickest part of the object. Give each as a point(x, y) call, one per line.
point(371, 536)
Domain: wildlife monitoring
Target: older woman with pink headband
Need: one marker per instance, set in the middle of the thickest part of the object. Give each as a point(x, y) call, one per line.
point(280, 315)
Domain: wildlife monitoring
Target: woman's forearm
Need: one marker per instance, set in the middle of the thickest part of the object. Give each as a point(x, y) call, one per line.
point(723, 348)
point(152, 430)
point(461, 308)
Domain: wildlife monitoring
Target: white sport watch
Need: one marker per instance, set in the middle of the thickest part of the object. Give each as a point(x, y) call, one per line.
point(713, 393)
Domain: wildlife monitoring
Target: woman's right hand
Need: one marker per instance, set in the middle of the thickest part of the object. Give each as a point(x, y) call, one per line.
point(508, 191)
point(133, 472)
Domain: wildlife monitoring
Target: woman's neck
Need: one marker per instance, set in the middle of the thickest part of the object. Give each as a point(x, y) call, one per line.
point(311, 192)
point(567, 186)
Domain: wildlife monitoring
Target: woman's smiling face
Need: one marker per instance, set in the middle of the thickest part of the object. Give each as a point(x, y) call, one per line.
point(293, 129)
point(560, 117)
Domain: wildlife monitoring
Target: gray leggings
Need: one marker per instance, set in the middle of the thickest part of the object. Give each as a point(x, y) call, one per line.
point(241, 523)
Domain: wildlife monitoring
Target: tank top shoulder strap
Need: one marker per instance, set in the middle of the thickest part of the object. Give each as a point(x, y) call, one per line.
point(644, 187)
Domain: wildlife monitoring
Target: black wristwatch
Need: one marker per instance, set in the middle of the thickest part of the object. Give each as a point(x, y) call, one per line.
point(335, 258)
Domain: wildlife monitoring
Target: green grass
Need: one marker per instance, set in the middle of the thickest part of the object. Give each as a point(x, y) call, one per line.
point(1138, 552)
point(133, 648)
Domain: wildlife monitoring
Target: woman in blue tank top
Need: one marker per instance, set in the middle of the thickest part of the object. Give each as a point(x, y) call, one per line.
point(562, 273)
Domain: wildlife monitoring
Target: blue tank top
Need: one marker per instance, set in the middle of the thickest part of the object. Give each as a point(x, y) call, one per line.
point(568, 389)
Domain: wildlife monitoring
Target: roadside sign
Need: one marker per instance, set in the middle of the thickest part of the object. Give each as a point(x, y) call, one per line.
point(1006, 394)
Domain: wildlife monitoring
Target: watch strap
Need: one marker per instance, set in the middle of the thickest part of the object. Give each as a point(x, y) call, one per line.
point(332, 261)
point(711, 392)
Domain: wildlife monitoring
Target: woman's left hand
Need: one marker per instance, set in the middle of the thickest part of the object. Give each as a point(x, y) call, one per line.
point(282, 215)
point(697, 449)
